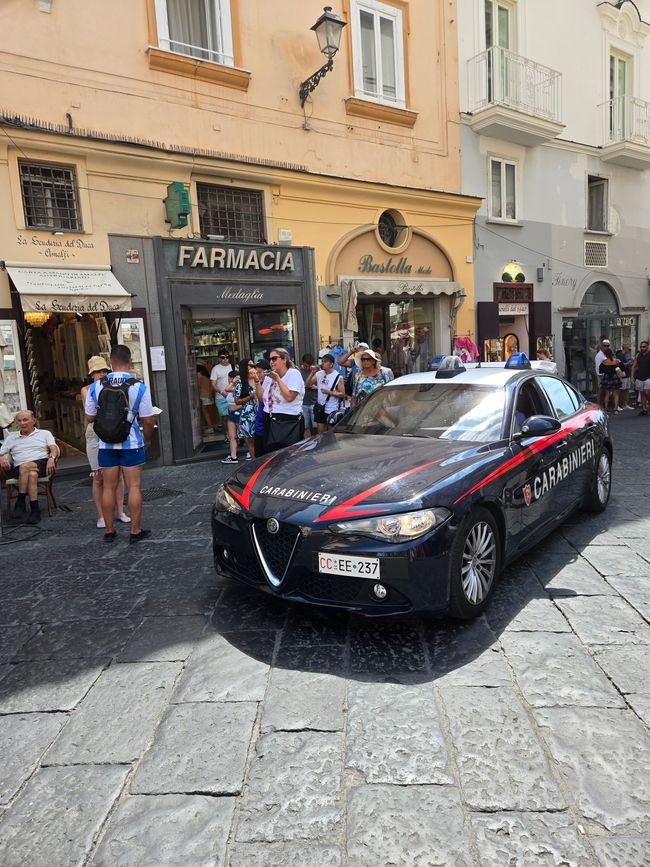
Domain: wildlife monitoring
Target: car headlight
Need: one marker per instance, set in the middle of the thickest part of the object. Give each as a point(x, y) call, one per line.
point(395, 528)
point(225, 502)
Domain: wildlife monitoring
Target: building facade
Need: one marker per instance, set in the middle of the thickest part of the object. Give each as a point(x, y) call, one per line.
point(141, 139)
point(556, 140)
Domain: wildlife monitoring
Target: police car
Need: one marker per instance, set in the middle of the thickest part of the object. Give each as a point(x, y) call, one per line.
point(416, 500)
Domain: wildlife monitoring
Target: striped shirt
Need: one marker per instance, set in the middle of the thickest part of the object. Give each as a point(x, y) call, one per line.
point(138, 397)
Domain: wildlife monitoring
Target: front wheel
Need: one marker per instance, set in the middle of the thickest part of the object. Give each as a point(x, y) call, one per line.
point(474, 564)
point(600, 486)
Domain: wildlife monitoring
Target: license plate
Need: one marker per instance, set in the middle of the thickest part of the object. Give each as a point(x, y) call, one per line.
point(354, 567)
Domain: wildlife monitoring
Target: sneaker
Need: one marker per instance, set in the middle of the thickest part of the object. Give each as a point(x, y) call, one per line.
point(627, 406)
point(124, 518)
point(110, 537)
point(230, 460)
point(138, 537)
point(248, 457)
point(101, 523)
point(619, 409)
point(643, 412)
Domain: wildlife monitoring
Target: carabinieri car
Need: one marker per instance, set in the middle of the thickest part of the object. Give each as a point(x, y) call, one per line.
point(416, 500)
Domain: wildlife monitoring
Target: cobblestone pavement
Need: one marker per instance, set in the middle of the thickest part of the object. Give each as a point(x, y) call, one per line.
point(152, 714)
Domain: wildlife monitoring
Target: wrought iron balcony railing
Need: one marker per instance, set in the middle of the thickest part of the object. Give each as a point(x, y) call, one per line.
point(627, 119)
point(500, 77)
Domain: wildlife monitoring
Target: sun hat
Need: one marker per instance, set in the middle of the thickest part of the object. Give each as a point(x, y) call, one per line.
point(359, 356)
point(97, 363)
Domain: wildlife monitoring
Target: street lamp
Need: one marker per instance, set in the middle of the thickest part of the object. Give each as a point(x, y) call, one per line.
point(328, 31)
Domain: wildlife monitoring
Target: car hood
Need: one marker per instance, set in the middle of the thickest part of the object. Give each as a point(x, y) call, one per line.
point(339, 476)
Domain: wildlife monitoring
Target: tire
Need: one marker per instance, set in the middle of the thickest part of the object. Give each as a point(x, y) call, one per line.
point(474, 564)
point(600, 486)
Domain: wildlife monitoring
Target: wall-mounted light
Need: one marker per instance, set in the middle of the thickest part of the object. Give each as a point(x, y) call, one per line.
point(328, 31)
point(513, 271)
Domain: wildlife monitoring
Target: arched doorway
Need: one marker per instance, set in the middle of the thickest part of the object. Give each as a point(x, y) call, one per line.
point(598, 317)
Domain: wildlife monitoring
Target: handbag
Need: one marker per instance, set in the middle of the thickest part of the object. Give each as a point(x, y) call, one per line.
point(284, 430)
point(620, 373)
point(320, 415)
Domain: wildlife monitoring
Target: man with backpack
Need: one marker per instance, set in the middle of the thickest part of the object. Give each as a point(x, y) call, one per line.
point(118, 405)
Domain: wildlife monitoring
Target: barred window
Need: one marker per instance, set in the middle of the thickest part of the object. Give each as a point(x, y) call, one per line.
point(230, 213)
point(49, 196)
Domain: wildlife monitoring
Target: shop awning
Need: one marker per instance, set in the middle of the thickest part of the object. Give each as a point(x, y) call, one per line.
point(55, 290)
point(397, 287)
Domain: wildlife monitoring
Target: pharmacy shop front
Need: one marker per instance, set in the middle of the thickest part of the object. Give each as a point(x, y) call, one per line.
point(215, 299)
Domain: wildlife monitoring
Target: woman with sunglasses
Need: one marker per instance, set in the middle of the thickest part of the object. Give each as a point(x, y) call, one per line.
point(283, 392)
point(246, 399)
point(370, 378)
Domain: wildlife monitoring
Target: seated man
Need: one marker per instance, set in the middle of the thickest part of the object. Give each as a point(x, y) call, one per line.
point(33, 453)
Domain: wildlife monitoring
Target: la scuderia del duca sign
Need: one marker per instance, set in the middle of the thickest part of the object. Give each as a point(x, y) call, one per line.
point(234, 258)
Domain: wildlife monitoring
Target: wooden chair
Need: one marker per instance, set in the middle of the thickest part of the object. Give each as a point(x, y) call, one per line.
point(45, 489)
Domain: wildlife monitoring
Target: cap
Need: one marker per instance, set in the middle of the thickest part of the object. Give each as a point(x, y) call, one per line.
point(96, 363)
point(363, 346)
point(328, 357)
point(263, 364)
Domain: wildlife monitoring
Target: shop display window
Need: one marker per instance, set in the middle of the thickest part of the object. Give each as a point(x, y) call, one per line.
point(493, 350)
point(270, 329)
point(130, 332)
point(12, 391)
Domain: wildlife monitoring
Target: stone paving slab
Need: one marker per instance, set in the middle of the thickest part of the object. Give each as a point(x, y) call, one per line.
point(298, 700)
point(622, 851)
point(326, 658)
point(58, 815)
point(293, 790)
point(228, 668)
point(604, 758)
point(19, 586)
point(537, 615)
point(635, 589)
point(585, 535)
point(639, 546)
point(99, 606)
point(169, 830)
point(86, 639)
point(312, 628)
point(554, 670)
point(114, 722)
point(303, 853)
point(576, 577)
point(640, 703)
point(241, 608)
point(628, 667)
point(500, 761)
point(12, 638)
point(23, 740)
point(612, 560)
point(465, 654)
point(610, 621)
point(394, 735)
point(406, 826)
point(47, 686)
point(529, 840)
point(198, 749)
point(179, 604)
point(164, 639)
point(386, 648)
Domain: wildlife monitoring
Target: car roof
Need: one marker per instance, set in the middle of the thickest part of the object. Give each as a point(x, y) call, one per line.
point(493, 374)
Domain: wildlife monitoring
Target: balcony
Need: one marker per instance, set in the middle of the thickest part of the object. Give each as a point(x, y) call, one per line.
point(627, 132)
point(513, 98)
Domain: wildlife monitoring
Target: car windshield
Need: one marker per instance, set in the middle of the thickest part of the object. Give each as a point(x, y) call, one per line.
point(453, 411)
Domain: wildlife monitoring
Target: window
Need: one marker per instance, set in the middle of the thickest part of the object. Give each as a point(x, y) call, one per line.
point(619, 76)
point(564, 401)
point(596, 204)
point(231, 214)
point(503, 190)
point(49, 196)
point(378, 52)
point(196, 28)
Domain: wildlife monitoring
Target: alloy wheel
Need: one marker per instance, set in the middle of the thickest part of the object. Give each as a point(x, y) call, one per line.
point(603, 478)
point(479, 562)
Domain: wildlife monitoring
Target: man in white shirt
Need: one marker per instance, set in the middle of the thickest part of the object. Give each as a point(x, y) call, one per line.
point(598, 360)
point(26, 455)
point(220, 382)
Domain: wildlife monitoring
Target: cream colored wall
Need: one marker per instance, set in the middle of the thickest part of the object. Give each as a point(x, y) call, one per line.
point(89, 59)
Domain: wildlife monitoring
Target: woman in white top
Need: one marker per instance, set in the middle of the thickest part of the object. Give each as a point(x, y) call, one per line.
point(331, 391)
point(282, 393)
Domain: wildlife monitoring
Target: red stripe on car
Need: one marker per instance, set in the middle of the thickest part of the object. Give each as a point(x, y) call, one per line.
point(245, 497)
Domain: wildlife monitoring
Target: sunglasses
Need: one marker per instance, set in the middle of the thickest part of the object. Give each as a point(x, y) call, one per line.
point(366, 358)
point(225, 357)
point(274, 357)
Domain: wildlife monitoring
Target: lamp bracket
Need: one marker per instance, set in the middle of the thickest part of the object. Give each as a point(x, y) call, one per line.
point(308, 86)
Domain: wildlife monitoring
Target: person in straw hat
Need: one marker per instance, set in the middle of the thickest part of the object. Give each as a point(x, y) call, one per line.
point(98, 367)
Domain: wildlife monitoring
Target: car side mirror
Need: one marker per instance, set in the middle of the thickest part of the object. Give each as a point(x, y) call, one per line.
point(537, 426)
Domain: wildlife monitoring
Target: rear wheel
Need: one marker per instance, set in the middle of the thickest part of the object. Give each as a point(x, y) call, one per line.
point(601, 484)
point(474, 564)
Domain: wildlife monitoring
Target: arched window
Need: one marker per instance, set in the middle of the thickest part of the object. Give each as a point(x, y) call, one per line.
point(599, 299)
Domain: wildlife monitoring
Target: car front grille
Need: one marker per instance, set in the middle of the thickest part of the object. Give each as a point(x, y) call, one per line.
point(332, 588)
point(275, 549)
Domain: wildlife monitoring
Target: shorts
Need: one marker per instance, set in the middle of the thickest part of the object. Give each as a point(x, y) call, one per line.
point(222, 405)
point(92, 448)
point(41, 463)
point(625, 382)
point(234, 417)
point(642, 385)
point(206, 401)
point(308, 415)
point(121, 458)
